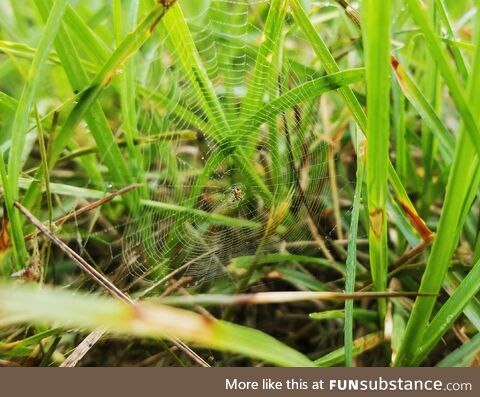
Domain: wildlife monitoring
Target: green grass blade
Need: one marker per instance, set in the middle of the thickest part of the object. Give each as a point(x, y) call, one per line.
point(161, 207)
point(376, 22)
point(449, 312)
point(425, 109)
point(464, 355)
point(459, 60)
point(263, 64)
point(27, 304)
point(93, 46)
point(360, 345)
point(365, 315)
point(181, 40)
point(352, 259)
point(126, 18)
point(7, 102)
point(302, 93)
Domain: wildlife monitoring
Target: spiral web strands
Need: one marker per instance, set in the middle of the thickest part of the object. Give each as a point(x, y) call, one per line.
point(248, 179)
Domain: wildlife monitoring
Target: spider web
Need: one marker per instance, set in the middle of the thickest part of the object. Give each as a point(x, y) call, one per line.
point(197, 230)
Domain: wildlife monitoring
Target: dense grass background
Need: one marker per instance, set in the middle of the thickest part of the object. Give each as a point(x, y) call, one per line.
point(223, 183)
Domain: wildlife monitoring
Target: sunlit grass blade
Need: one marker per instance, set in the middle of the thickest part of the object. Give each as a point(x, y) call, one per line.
point(432, 88)
point(364, 315)
point(302, 93)
point(86, 37)
point(457, 54)
point(27, 304)
point(161, 207)
point(261, 298)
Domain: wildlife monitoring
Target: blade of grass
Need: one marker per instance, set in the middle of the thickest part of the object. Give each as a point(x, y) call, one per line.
point(27, 304)
point(302, 93)
point(352, 258)
point(263, 64)
point(125, 18)
point(365, 315)
point(472, 310)
point(214, 218)
point(448, 313)
point(457, 54)
point(7, 102)
point(243, 262)
point(261, 298)
point(21, 50)
point(360, 345)
point(425, 109)
point(376, 22)
point(97, 50)
point(464, 355)
point(399, 126)
point(432, 89)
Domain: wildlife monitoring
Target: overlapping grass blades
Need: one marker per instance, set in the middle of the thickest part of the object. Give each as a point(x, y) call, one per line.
point(19, 127)
point(461, 189)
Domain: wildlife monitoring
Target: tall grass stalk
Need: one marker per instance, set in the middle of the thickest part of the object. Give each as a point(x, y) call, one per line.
point(376, 22)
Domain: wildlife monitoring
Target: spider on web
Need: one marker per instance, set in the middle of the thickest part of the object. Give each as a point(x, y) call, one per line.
point(235, 194)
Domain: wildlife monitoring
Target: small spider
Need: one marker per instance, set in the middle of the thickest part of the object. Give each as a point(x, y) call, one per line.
point(234, 195)
point(237, 193)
